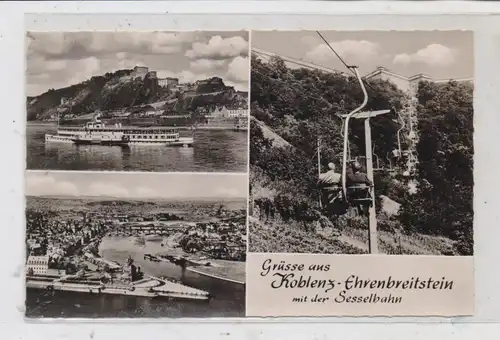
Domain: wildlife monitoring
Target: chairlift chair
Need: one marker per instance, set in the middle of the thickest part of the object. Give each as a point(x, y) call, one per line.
point(360, 195)
point(353, 195)
point(377, 161)
point(390, 167)
point(396, 153)
point(346, 134)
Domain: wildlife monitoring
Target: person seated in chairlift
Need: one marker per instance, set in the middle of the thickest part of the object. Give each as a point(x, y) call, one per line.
point(359, 183)
point(357, 178)
point(330, 184)
point(396, 153)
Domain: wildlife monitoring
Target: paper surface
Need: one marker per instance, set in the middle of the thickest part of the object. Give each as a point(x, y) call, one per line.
point(336, 285)
point(190, 165)
point(388, 230)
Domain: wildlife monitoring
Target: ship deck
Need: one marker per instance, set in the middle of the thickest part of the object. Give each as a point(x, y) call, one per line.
point(122, 128)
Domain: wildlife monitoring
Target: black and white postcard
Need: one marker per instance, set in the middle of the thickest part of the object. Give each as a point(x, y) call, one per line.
point(231, 174)
point(137, 101)
point(101, 245)
point(361, 143)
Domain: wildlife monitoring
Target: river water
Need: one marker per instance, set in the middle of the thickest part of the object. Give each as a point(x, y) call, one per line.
point(228, 301)
point(213, 151)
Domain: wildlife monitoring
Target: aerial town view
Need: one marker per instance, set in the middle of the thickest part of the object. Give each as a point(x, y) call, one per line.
point(129, 101)
point(135, 245)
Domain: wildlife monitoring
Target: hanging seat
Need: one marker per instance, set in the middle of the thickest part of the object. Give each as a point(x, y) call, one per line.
point(359, 194)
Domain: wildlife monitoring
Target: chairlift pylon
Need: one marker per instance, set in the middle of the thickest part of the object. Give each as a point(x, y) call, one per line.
point(346, 132)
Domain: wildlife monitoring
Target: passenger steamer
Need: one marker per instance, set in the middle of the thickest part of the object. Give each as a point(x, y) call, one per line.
point(97, 133)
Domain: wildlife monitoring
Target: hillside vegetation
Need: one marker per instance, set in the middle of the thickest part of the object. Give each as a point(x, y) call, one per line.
point(118, 90)
point(292, 108)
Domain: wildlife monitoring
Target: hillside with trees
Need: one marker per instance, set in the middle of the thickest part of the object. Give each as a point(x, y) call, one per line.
point(120, 91)
point(293, 109)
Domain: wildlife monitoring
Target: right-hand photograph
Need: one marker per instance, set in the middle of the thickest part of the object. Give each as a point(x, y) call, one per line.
point(362, 142)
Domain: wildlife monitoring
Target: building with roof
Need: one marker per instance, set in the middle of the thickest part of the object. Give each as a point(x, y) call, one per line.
point(224, 112)
point(139, 72)
point(407, 84)
point(168, 82)
point(39, 264)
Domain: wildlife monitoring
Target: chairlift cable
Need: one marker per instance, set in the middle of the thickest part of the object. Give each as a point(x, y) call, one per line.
point(303, 65)
point(299, 62)
point(321, 98)
point(333, 50)
point(295, 80)
point(349, 67)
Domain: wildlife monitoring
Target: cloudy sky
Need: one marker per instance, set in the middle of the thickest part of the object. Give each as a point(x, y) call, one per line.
point(58, 59)
point(439, 54)
point(136, 186)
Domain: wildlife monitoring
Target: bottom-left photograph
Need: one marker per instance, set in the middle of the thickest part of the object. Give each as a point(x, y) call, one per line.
point(108, 245)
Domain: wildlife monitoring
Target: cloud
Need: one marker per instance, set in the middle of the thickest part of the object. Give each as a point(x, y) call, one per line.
point(60, 73)
point(238, 69)
point(44, 184)
point(227, 192)
point(309, 41)
point(235, 74)
point(352, 50)
point(433, 55)
point(126, 60)
point(219, 48)
point(55, 65)
point(56, 60)
point(74, 45)
point(184, 76)
point(84, 184)
point(106, 189)
point(52, 43)
point(145, 192)
point(167, 43)
point(204, 65)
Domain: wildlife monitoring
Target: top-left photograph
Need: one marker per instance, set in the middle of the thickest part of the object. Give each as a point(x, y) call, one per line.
point(137, 101)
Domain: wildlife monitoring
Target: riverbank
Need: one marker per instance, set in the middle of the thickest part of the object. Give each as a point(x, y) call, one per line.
point(76, 122)
point(41, 123)
point(231, 271)
point(167, 258)
point(48, 218)
point(226, 270)
point(152, 287)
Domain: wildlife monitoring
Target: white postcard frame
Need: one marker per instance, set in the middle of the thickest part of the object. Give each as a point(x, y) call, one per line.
point(486, 161)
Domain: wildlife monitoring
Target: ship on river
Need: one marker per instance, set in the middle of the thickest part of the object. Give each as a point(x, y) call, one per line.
point(96, 132)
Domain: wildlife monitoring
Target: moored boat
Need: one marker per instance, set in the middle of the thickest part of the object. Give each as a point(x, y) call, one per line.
point(97, 133)
point(108, 140)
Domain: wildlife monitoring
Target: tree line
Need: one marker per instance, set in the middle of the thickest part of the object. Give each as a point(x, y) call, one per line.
point(303, 105)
